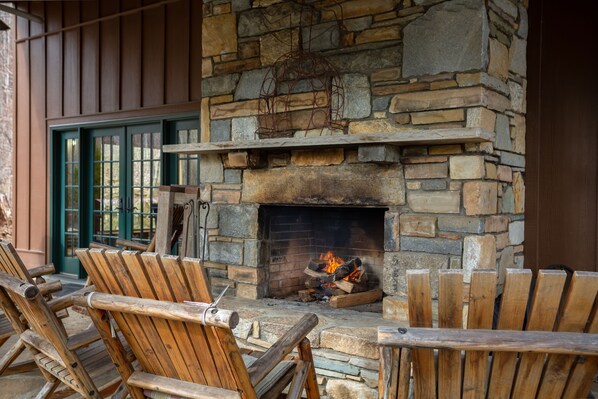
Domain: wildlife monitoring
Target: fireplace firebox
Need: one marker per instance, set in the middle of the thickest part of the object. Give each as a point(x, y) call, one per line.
point(295, 235)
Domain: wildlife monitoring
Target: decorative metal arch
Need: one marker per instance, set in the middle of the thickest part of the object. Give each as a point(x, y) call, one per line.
point(301, 91)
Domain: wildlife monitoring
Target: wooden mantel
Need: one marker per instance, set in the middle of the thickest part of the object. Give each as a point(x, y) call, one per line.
point(406, 137)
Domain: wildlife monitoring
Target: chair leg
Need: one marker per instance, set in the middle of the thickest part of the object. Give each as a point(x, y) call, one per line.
point(299, 378)
point(311, 384)
point(48, 389)
point(11, 355)
point(121, 392)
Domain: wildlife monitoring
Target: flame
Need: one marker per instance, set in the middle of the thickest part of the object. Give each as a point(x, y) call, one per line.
point(332, 261)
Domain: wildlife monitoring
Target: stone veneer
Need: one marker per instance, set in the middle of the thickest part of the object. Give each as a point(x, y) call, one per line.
point(6, 124)
point(6, 105)
point(405, 64)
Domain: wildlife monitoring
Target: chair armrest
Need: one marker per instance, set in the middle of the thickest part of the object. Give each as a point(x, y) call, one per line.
point(131, 244)
point(42, 270)
point(83, 338)
point(99, 245)
point(67, 300)
point(49, 288)
point(191, 312)
point(171, 386)
point(262, 366)
point(490, 340)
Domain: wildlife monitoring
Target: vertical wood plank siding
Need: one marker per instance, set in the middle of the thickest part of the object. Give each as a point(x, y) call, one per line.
point(87, 61)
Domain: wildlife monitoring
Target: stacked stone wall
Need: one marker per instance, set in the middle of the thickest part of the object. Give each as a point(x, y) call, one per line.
point(405, 65)
point(6, 125)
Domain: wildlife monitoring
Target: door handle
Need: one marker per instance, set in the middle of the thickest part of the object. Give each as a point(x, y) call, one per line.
point(130, 207)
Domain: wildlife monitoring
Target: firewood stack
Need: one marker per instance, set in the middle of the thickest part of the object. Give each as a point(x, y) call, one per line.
point(347, 279)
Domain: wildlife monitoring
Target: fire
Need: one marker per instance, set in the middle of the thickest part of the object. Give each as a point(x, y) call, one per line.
point(332, 261)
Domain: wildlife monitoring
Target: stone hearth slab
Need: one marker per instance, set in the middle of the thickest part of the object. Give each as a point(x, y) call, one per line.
point(348, 333)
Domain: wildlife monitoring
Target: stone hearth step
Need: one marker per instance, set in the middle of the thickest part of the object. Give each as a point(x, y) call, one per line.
point(344, 342)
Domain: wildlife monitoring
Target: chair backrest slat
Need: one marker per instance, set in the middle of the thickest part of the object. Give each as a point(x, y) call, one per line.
point(482, 294)
point(580, 380)
point(139, 328)
point(11, 263)
point(511, 317)
point(200, 291)
point(186, 351)
point(420, 315)
point(181, 290)
point(573, 318)
point(450, 315)
point(158, 332)
point(181, 351)
point(541, 317)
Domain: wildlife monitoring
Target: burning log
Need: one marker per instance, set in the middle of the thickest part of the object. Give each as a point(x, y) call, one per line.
point(306, 295)
point(317, 264)
point(346, 269)
point(317, 279)
point(330, 277)
point(361, 298)
point(313, 282)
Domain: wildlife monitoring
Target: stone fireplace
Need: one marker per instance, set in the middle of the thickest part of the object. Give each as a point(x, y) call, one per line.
point(430, 146)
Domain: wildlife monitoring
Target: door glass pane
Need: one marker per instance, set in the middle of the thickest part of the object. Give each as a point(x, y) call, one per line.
point(145, 180)
point(71, 197)
point(188, 165)
point(106, 182)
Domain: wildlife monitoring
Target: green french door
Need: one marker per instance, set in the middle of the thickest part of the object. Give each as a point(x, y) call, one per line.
point(126, 175)
point(69, 199)
point(106, 180)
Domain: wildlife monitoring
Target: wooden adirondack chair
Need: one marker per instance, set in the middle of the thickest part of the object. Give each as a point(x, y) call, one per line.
point(80, 361)
point(186, 350)
point(7, 362)
point(555, 356)
point(175, 220)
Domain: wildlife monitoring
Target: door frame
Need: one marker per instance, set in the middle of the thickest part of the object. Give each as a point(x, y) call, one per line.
point(169, 167)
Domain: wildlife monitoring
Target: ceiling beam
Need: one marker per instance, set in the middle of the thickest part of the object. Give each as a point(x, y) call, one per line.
point(19, 13)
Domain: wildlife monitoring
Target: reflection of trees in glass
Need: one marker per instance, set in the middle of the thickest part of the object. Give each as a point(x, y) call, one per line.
point(106, 185)
point(146, 177)
point(71, 196)
point(188, 165)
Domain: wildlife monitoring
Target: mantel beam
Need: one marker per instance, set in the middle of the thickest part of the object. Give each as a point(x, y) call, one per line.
point(407, 137)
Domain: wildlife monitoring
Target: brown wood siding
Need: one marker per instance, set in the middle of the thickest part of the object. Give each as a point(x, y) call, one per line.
point(93, 61)
point(562, 137)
